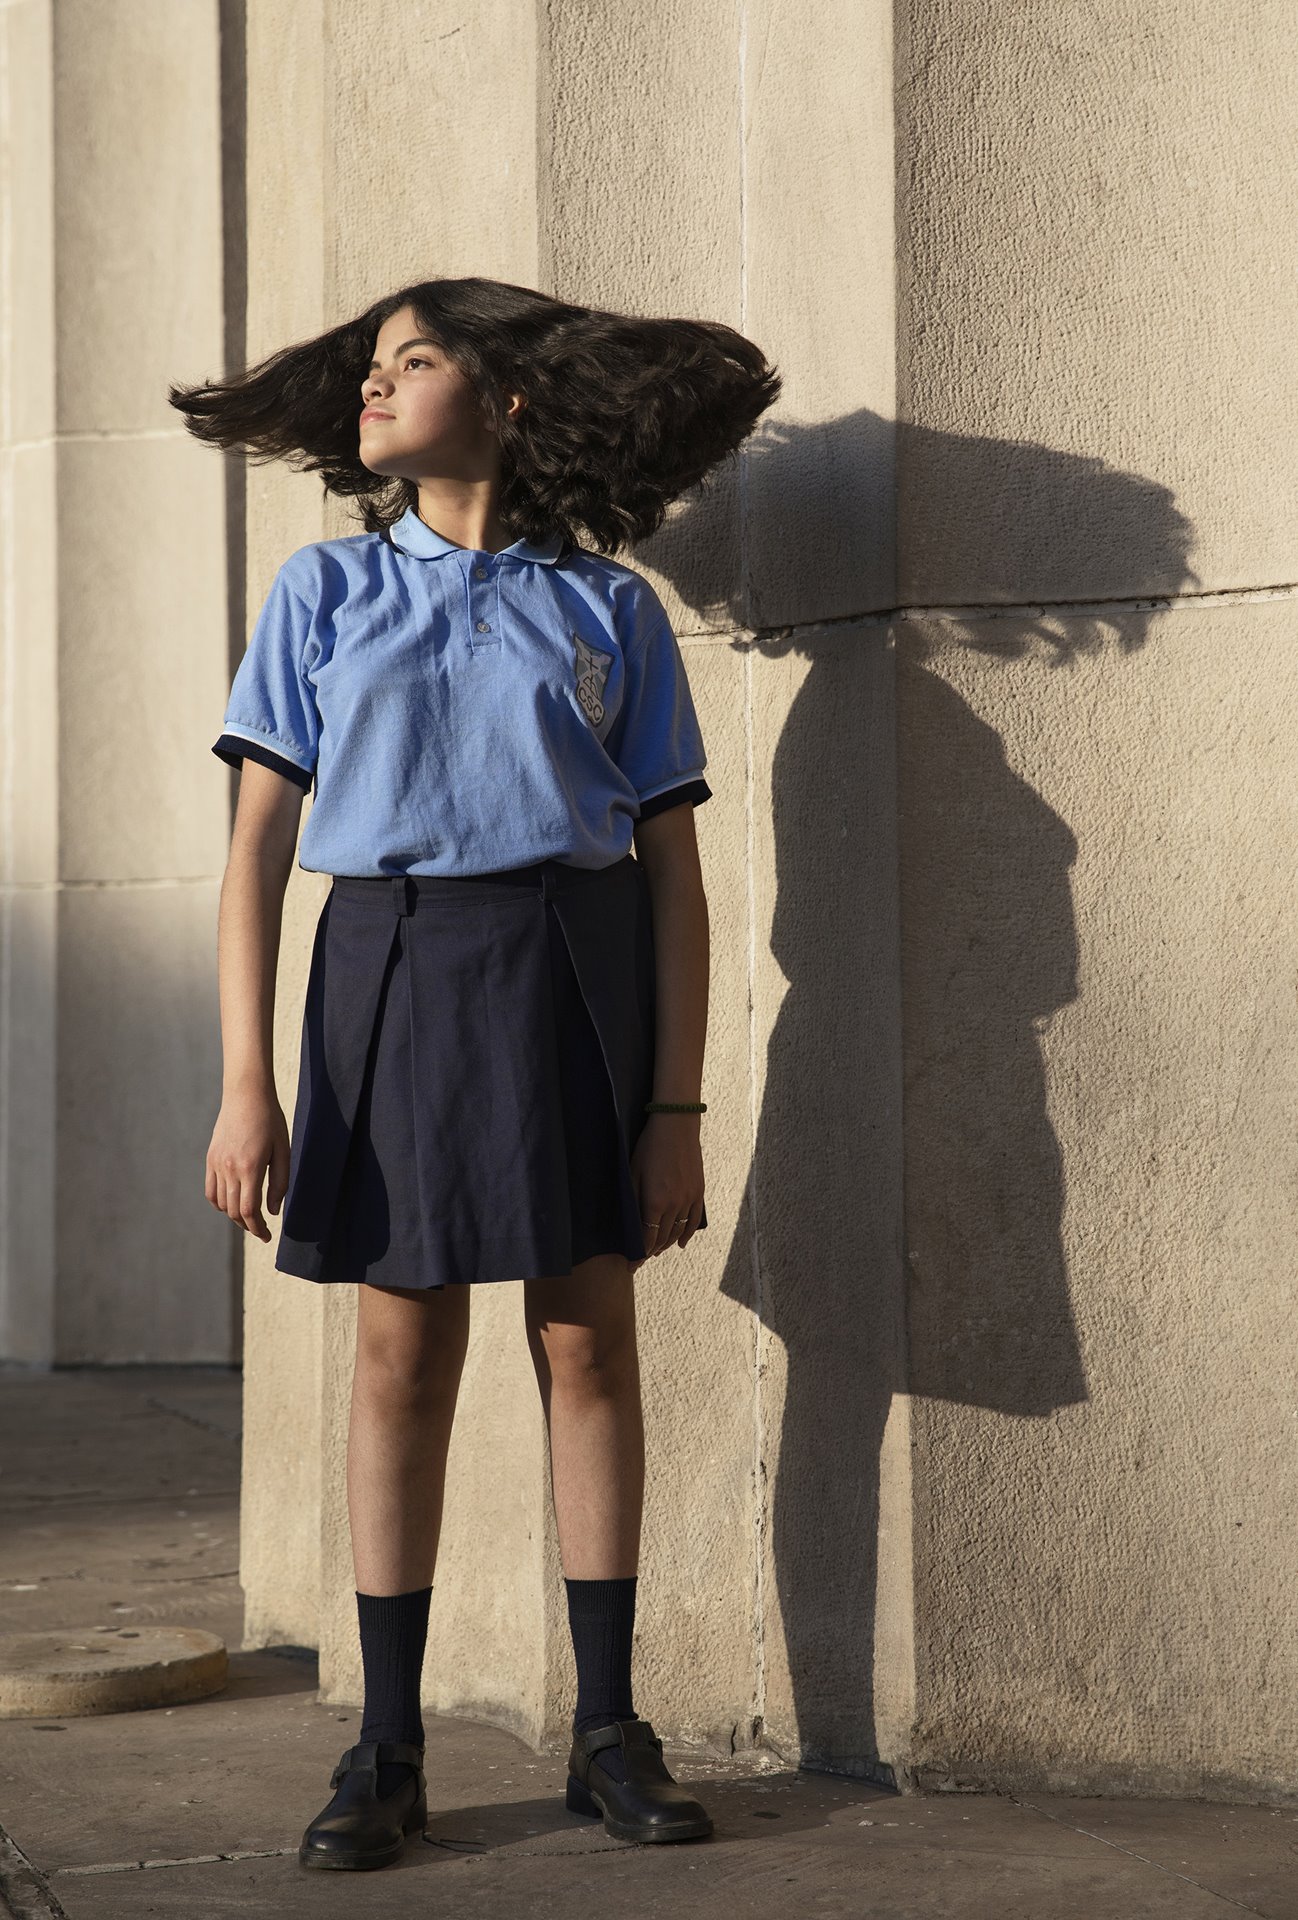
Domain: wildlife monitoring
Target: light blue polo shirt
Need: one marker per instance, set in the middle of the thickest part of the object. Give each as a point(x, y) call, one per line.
point(458, 711)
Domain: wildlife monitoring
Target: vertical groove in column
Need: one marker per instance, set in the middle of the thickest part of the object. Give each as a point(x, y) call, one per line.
point(232, 28)
point(754, 1235)
point(7, 668)
point(759, 1470)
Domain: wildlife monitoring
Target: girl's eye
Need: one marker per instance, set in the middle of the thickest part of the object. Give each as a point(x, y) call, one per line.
point(415, 361)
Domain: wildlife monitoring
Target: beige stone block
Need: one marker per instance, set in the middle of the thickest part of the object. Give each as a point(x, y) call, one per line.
point(640, 212)
point(818, 296)
point(1095, 307)
point(826, 1189)
point(435, 176)
point(29, 665)
point(1099, 926)
point(145, 1264)
point(137, 211)
point(27, 87)
point(286, 186)
point(30, 1173)
point(145, 673)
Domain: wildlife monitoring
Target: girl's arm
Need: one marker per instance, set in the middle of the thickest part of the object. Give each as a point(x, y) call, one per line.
point(251, 1134)
point(668, 1151)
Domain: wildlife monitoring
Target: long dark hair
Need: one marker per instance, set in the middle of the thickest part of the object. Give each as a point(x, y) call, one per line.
point(623, 413)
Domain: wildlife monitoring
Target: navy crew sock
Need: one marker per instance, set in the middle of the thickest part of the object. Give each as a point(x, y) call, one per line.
point(394, 1631)
point(601, 1614)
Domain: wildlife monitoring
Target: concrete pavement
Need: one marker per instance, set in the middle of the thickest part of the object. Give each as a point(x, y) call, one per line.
point(119, 1503)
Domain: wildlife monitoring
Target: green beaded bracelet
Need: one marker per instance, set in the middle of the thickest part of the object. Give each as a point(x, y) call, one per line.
point(675, 1106)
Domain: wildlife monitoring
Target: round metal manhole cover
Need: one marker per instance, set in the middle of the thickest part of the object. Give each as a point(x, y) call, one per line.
point(76, 1670)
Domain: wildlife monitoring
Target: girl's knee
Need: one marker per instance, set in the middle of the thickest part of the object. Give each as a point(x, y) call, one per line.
point(411, 1344)
point(598, 1355)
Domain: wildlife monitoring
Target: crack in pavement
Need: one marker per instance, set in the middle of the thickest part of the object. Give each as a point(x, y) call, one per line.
point(1131, 1853)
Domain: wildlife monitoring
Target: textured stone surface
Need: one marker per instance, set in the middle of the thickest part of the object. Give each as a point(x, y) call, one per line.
point(1101, 1105)
point(113, 645)
point(1094, 320)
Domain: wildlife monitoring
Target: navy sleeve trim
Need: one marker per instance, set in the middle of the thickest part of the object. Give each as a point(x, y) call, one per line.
point(234, 750)
point(695, 791)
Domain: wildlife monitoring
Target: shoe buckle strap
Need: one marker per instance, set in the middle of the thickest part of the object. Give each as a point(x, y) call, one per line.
point(374, 1753)
point(623, 1733)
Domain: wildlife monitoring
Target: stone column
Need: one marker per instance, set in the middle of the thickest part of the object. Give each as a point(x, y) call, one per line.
point(1098, 739)
point(113, 651)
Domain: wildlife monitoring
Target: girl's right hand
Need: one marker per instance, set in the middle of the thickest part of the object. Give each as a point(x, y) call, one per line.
point(251, 1135)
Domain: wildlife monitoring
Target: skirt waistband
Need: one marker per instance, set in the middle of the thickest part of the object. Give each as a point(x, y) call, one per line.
point(404, 891)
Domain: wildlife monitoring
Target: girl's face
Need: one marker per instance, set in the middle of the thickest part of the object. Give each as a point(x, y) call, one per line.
point(424, 417)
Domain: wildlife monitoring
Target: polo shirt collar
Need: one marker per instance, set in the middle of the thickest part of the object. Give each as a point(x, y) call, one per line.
point(411, 535)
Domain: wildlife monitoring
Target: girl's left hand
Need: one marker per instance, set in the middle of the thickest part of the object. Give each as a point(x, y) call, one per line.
point(667, 1170)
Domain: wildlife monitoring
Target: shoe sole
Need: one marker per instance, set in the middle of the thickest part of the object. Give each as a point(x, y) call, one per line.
point(415, 1822)
point(579, 1799)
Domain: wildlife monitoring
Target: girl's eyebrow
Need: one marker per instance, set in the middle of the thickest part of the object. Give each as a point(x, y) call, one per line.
point(401, 349)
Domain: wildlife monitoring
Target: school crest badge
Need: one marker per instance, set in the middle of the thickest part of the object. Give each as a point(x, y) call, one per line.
point(592, 673)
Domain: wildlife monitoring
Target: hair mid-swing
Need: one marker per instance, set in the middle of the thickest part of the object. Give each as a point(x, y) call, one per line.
point(624, 414)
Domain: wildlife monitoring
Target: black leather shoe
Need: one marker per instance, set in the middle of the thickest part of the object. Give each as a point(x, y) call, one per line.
point(648, 1804)
point(357, 1829)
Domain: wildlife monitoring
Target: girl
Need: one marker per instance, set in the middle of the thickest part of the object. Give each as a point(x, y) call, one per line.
point(503, 1031)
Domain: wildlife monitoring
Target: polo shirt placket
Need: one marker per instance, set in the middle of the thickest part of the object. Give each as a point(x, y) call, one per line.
point(485, 630)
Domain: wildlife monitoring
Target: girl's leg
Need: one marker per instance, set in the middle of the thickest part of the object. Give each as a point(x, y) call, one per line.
point(410, 1349)
point(582, 1335)
point(581, 1331)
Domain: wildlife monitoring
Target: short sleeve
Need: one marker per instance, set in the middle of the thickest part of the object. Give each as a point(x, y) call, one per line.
point(271, 715)
point(655, 740)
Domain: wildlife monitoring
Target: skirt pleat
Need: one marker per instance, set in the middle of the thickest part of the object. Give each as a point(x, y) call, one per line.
point(476, 1055)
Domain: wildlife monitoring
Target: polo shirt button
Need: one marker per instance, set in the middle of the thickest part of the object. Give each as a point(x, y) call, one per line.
point(484, 626)
point(481, 572)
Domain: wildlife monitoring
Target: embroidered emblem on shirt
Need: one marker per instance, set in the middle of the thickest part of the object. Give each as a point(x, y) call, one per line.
point(592, 672)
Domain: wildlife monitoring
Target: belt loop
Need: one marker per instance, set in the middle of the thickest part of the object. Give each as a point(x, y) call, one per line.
point(402, 894)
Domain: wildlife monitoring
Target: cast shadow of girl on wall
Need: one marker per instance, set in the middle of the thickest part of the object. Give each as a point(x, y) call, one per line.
point(899, 1231)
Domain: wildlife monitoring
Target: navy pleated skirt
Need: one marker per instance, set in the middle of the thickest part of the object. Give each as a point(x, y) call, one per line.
point(476, 1055)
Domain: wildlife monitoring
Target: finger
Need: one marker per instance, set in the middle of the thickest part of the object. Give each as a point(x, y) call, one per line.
point(667, 1227)
point(234, 1195)
point(250, 1202)
point(277, 1182)
point(666, 1218)
point(651, 1226)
